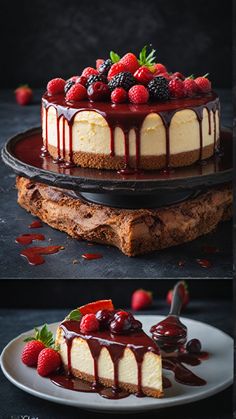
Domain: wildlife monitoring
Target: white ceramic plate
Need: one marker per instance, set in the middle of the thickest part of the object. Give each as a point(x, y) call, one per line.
point(217, 371)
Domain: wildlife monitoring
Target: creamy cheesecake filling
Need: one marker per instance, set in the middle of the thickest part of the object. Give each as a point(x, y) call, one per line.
point(131, 133)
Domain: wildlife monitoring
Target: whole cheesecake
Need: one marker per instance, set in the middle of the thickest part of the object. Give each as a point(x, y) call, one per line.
point(113, 119)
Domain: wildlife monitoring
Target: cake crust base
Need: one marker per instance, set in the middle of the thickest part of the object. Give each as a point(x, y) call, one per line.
point(134, 232)
point(104, 161)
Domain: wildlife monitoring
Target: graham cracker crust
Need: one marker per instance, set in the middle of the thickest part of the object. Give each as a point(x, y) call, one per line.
point(134, 232)
point(104, 161)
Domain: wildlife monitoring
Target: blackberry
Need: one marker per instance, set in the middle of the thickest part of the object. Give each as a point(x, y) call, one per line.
point(123, 79)
point(68, 85)
point(158, 88)
point(105, 67)
point(95, 77)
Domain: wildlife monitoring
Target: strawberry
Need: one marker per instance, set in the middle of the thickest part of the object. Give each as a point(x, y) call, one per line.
point(96, 306)
point(141, 299)
point(203, 83)
point(191, 87)
point(35, 344)
point(24, 95)
point(31, 352)
point(76, 92)
point(143, 75)
point(177, 89)
point(185, 296)
point(160, 68)
point(130, 62)
point(88, 71)
point(56, 86)
point(115, 69)
point(89, 323)
point(49, 361)
point(138, 94)
point(99, 62)
point(119, 95)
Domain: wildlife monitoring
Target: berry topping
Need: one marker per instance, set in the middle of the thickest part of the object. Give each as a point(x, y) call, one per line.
point(185, 296)
point(56, 86)
point(115, 69)
point(147, 60)
point(194, 346)
point(204, 85)
point(49, 361)
point(191, 88)
point(98, 91)
point(123, 322)
point(141, 299)
point(76, 92)
point(158, 88)
point(31, 352)
point(124, 79)
point(166, 75)
point(68, 85)
point(138, 94)
point(176, 88)
point(73, 78)
point(119, 95)
point(160, 68)
point(96, 306)
point(82, 80)
point(178, 75)
point(105, 67)
point(99, 62)
point(24, 95)
point(88, 71)
point(143, 75)
point(35, 344)
point(130, 62)
point(93, 78)
point(104, 317)
point(89, 323)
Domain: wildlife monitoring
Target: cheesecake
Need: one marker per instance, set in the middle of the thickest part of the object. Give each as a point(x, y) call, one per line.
point(113, 351)
point(130, 113)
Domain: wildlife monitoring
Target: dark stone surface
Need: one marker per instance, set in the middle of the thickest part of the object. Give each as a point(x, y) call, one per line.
point(15, 402)
point(45, 39)
point(164, 264)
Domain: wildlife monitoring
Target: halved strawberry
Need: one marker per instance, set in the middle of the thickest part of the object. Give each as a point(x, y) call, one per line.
point(96, 306)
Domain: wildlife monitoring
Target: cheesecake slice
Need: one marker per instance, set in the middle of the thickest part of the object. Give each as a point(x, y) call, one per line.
point(128, 360)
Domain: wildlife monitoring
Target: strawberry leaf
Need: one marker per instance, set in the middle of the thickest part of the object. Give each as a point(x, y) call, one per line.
point(74, 315)
point(44, 335)
point(114, 57)
point(147, 60)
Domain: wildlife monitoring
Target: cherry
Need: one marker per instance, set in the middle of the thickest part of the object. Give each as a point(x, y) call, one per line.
point(194, 346)
point(98, 91)
point(104, 317)
point(123, 322)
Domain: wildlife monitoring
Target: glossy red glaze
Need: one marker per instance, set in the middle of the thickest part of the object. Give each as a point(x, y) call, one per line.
point(28, 238)
point(34, 254)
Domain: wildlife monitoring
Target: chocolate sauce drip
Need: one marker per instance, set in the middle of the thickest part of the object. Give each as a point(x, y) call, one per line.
point(129, 117)
point(182, 374)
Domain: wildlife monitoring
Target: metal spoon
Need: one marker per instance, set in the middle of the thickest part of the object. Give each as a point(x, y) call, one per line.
point(170, 333)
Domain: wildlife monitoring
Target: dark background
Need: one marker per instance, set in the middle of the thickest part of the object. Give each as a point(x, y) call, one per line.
point(44, 39)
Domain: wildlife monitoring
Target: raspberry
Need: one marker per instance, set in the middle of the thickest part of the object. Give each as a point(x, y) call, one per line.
point(177, 89)
point(88, 71)
point(105, 67)
point(204, 85)
point(143, 75)
point(93, 78)
point(82, 80)
point(160, 68)
point(73, 78)
point(124, 79)
point(99, 62)
point(191, 87)
point(138, 94)
point(158, 88)
point(49, 361)
point(114, 70)
point(24, 95)
point(119, 95)
point(130, 62)
point(98, 91)
point(89, 323)
point(31, 352)
point(76, 92)
point(166, 75)
point(68, 85)
point(56, 86)
point(178, 75)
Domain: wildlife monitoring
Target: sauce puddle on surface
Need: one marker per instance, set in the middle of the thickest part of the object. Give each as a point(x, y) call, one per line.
point(29, 238)
point(34, 254)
